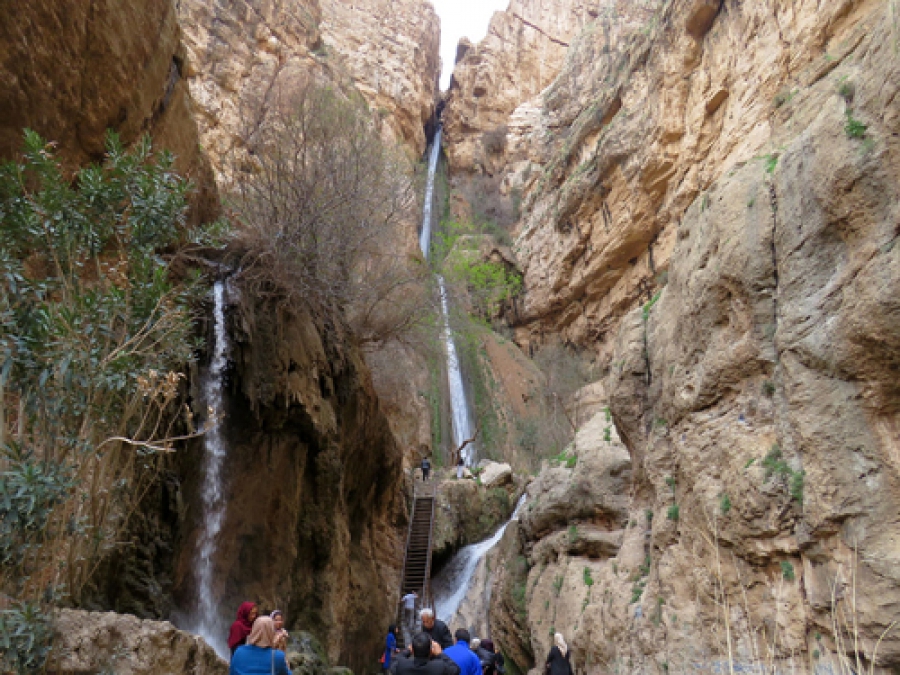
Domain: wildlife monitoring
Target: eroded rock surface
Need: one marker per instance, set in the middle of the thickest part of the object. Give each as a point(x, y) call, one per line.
point(73, 70)
point(316, 517)
point(711, 206)
point(90, 643)
point(521, 54)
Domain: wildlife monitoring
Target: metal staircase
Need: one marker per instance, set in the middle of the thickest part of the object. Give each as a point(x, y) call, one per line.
point(417, 563)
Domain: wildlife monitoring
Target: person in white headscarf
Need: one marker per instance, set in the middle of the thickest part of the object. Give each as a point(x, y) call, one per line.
point(558, 660)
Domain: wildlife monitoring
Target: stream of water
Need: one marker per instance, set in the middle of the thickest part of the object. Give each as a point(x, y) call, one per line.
point(459, 405)
point(206, 620)
point(452, 583)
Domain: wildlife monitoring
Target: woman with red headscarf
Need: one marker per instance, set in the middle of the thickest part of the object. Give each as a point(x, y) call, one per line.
point(241, 628)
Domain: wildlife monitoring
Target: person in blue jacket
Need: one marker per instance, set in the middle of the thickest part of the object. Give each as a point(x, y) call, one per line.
point(258, 656)
point(390, 646)
point(462, 656)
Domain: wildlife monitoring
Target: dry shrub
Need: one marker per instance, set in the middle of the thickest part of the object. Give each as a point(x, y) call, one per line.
point(494, 141)
point(320, 204)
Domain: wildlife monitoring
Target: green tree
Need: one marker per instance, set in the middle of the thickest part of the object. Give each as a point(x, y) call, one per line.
point(94, 332)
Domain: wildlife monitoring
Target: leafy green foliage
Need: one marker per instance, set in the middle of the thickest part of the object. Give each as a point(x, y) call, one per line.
point(725, 504)
point(775, 466)
point(673, 512)
point(25, 636)
point(645, 311)
point(771, 161)
point(93, 336)
point(588, 577)
point(787, 571)
point(854, 128)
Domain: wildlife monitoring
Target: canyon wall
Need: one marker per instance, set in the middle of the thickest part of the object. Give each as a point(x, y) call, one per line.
point(522, 53)
point(243, 55)
point(709, 205)
point(71, 71)
point(318, 512)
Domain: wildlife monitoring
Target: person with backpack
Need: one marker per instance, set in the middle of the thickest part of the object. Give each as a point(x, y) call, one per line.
point(426, 468)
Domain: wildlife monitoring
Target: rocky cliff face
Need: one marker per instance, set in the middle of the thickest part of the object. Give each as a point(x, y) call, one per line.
point(390, 49)
point(315, 509)
point(71, 71)
point(709, 204)
point(242, 55)
point(521, 55)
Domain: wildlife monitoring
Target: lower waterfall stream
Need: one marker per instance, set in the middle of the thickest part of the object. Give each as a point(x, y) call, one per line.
point(453, 582)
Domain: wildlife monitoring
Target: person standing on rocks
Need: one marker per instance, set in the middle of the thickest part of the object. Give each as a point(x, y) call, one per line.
point(463, 655)
point(436, 629)
point(242, 626)
point(460, 467)
point(258, 656)
point(558, 660)
point(426, 468)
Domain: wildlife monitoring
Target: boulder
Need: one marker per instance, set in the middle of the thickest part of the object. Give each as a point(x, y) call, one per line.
point(496, 474)
point(89, 643)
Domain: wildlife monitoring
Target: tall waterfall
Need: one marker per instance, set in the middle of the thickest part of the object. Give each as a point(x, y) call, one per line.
point(207, 621)
point(451, 585)
point(425, 236)
point(462, 422)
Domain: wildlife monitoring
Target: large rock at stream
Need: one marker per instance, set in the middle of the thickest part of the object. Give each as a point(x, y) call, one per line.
point(93, 643)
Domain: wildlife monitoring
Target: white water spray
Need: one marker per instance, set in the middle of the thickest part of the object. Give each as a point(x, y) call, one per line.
point(425, 236)
point(451, 585)
point(459, 406)
point(207, 622)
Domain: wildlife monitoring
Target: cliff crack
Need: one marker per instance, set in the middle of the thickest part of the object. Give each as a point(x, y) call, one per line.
point(540, 30)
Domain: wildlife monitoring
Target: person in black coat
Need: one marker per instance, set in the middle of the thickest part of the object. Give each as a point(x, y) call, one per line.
point(558, 662)
point(491, 662)
point(436, 628)
point(426, 659)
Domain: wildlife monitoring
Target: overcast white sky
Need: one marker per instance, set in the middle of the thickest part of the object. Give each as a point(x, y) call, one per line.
point(462, 18)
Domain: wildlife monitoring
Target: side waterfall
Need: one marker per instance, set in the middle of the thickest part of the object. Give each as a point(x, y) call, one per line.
point(451, 585)
point(207, 622)
point(459, 406)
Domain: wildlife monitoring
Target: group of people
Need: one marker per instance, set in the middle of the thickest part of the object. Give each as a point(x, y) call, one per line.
point(426, 468)
point(258, 643)
point(433, 651)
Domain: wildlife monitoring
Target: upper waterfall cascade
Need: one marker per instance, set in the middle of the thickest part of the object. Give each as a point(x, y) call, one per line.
point(459, 405)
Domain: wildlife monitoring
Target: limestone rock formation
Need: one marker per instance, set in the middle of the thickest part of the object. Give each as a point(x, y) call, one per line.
point(90, 643)
point(316, 514)
point(521, 54)
point(243, 55)
point(710, 199)
point(390, 49)
point(72, 70)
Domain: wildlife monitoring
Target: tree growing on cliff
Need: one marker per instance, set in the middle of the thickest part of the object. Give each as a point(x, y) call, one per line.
point(320, 202)
point(93, 335)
